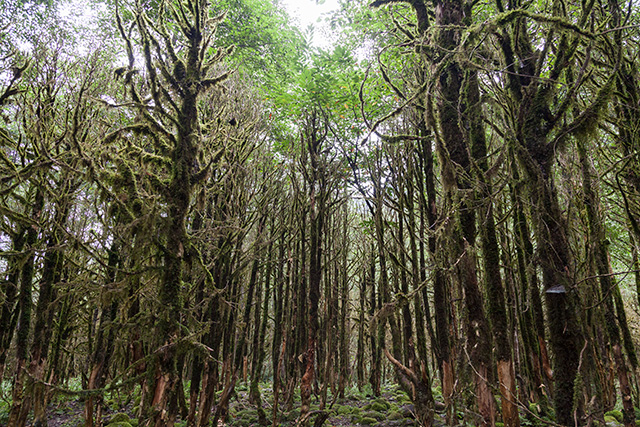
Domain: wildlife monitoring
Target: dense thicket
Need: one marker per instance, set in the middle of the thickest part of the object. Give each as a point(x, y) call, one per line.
point(447, 200)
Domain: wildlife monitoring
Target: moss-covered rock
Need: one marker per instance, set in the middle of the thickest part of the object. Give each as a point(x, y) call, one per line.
point(615, 414)
point(375, 406)
point(119, 424)
point(394, 415)
point(611, 421)
point(120, 418)
point(383, 402)
point(374, 414)
point(343, 410)
point(368, 421)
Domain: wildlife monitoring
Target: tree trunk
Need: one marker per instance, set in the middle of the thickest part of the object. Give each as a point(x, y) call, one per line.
point(600, 253)
point(317, 198)
point(8, 311)
point(21, 398)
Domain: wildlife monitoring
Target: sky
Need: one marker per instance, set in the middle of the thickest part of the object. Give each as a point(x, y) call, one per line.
point(306, 12)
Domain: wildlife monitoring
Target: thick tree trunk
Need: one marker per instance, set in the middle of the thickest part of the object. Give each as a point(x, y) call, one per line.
point(459, 122)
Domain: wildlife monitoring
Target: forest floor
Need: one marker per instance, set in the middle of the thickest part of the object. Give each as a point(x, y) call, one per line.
point(357, 408)
point(392, 408)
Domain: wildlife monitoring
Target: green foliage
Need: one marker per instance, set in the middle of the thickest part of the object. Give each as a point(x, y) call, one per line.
point(268, 47)
point(4, 411)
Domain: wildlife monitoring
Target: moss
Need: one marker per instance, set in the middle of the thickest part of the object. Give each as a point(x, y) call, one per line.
point(383, 402)
point(609, 420)
point(615, 414)
point(343, 410)
point(499, 424)
point(376, 406)
point(292, 416)
point(404, 398)
point(394, 415)
point(120, 418)
point(119, 424)
point(374, 414)
point(368, 421)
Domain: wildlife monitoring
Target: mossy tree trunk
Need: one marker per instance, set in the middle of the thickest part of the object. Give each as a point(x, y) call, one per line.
point(493, 284)
point(608, 286)
point(20, 400)
point(344, 325)
point(103, 347)
point(8, 319)
point(178, 73)
point(542, 124)
point(458, 125)
point(46, 306)
point(314, 137)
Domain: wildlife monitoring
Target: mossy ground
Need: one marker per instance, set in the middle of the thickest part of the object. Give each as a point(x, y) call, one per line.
point(392, 408)
point(357, 407)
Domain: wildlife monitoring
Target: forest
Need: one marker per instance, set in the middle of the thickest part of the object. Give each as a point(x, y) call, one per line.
point(206, 220)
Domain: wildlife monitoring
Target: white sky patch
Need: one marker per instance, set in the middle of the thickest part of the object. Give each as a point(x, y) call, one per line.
point(309, 12)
